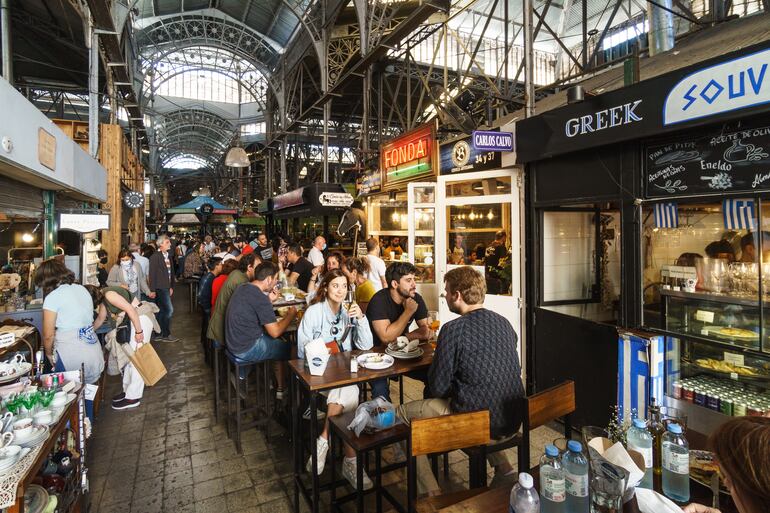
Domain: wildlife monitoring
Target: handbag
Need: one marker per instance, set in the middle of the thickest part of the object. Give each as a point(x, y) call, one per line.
point(123, 331)
point(148, 363)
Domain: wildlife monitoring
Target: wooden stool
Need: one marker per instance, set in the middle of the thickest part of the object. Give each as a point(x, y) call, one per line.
point(238, 390)
point(219, 374)
point(338, 426)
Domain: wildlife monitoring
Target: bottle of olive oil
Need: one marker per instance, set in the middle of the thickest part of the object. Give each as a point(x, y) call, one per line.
point(657, 429)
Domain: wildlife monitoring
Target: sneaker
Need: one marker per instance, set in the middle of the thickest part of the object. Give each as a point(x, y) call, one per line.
point(160, 338)
point(170, 338)
point(398, 453)
point(118, 397)
point(322, 448)
point(125, 404)
point(319, 414)
point(349, 468)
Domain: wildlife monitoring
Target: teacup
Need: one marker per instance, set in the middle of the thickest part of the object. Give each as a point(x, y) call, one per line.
point(58, 402)
point(22, 428)
point(5, 421)
point(10, 452)
point(43, 417)
point(6, 439)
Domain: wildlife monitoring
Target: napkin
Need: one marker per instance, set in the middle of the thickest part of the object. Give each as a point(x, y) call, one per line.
point(317, 356)
point(617, 455)
point(652, 502)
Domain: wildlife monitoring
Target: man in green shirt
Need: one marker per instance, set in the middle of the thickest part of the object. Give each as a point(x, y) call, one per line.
point(244, 274)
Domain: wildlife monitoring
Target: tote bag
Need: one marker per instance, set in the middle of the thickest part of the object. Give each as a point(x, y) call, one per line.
point(148, 363)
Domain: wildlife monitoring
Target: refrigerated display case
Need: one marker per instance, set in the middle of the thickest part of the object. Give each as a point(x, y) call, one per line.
point(422, 238)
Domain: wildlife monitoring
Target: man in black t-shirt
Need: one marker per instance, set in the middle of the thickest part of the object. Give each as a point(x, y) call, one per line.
point(300, 268)
point(392, 310)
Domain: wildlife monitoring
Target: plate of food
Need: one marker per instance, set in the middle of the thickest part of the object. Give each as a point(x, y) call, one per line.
point(703, 467)
point(712, 364)
point(735, 333)
point(375, 361)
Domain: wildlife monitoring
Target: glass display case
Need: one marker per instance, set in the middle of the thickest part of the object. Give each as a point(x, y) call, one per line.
point(422, 230)
point(388, 221)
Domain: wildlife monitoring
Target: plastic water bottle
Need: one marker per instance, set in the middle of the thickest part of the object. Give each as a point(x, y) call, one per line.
point(552, 487)
point(575, 478)
point(524, 498)
point(640, 440)
point(676, 464)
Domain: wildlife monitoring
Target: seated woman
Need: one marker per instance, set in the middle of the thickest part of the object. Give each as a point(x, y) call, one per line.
point(357, 270)
point(742, 450)
point(327, 319)
point(333, 261)
point(69, 340)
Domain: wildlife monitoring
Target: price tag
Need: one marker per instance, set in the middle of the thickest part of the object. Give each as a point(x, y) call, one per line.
point(734, 376)
point(7, 339)
point(704, 316)
point(734, 359)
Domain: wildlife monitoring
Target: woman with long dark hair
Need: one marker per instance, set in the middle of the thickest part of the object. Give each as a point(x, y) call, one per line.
point(69, 340)
point(327, 319)
point(333, 261)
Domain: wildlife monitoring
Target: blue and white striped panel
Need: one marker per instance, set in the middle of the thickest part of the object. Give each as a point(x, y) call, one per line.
point(634, 389)
point(666, 215)
point(739, 214)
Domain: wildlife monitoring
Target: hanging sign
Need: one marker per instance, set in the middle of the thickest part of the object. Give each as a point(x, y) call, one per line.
point(460, 157)
point(492, 141)
point(133, 199)
point(370, 181)
point(46, 149)
point(724, 161)
point(335, 199)
point(84, 223)
point(731, 85)
point(206, 209)
point(408, 157)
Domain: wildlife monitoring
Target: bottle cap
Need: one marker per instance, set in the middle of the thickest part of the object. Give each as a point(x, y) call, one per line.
point(526, 481)
point(640, 423)
point(551, 450)
point(675, 428)
point(574, 446)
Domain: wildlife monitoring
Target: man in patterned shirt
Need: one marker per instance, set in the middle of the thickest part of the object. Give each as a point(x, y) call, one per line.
point(475, 367)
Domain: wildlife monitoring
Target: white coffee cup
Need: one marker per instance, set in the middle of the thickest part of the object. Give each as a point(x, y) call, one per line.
point(22, 428)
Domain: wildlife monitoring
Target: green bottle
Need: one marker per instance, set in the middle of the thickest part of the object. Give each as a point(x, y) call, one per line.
point(657, 429)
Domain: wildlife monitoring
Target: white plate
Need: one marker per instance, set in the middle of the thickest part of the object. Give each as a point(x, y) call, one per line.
point(363, 361)
point(405, 356)
point(21, 370)
point(40, 434)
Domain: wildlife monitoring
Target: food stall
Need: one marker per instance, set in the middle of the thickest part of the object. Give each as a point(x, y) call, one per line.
point(671, 188)
point(310, 208)
point(202, 212)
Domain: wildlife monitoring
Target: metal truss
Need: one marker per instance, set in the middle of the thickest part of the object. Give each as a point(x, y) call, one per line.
point(194, 132)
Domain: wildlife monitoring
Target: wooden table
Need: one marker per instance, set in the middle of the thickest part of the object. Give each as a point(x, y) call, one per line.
point(336, 375)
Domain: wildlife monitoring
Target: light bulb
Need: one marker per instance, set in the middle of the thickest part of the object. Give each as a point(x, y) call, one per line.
point(27, 237)
point(490, 216)
point(472, 216)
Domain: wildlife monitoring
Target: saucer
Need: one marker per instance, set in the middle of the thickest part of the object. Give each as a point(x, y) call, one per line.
point(401, 355)
point(38, 432)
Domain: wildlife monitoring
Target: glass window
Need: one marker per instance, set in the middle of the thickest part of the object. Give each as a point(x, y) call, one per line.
point(580, 268)
point(481, 187)
point(424, 244)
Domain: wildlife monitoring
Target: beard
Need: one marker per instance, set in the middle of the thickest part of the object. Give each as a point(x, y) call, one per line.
point(405, 295)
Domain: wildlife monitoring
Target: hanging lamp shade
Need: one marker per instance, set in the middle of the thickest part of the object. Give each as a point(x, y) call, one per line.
point(237, 157)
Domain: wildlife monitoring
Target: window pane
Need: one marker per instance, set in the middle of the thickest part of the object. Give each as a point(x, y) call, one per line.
point(485, 187)
point(569, 256)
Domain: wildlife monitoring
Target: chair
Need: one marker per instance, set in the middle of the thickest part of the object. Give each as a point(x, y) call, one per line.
point(238, 392)
point(219, 392)
point(338, 428)
point(539, 409)
point(444, 434)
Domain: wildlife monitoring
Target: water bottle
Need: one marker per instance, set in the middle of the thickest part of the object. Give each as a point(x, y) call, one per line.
point(552, 487)
point(640, 440)
point(524, 498)
point(575, 478)
point(676, 464)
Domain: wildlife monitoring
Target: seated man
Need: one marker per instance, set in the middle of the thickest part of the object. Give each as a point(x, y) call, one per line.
point(391, 312)
point(475, 367)
point(252, 330)
point(300, 269)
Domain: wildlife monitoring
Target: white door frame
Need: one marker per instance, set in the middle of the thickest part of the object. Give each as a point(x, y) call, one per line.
point(511, 307)
point(428, 291)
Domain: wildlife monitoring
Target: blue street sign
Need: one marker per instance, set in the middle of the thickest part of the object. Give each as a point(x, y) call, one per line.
point(492, 141)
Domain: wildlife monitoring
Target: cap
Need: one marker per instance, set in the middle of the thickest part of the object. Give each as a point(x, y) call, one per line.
point(551, 450)
point(640, 423)
point(574, 446)
point(246, 250)
point(675, 428)
point(526, 481)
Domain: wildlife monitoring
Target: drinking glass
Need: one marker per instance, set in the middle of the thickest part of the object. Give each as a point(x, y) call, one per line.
point(607, 488)
point(29, 400)
point(671, 415)
point(13, 403)
point(46, 396)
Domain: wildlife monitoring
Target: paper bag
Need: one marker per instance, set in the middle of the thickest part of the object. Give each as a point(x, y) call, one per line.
point(317, 356)
point(148, 363)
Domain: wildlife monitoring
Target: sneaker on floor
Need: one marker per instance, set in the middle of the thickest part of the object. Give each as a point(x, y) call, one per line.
point(171, 338)
point(349, 467)
point(125, 404)
point(322, 449)
point(319, 414)
point(119, 397)
point(160, 338)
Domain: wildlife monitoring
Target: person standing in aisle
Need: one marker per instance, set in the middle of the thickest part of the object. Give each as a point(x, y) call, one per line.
point(143, 262)
point(101, 267)
point(161, 280)
point(127, 274)
point(475, 367)
point(376, 265)
point(316, 253)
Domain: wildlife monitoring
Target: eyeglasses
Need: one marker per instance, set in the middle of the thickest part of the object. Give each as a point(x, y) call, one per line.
point(335, 329)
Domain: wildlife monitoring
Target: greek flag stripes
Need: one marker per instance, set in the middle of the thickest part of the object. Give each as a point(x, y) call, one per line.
point(666, 215)
point(739, 214)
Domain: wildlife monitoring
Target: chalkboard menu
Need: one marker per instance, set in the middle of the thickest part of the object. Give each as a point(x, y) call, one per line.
point(727, 161)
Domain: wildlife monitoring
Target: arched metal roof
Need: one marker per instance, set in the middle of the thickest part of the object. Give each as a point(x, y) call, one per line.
point(194, 133)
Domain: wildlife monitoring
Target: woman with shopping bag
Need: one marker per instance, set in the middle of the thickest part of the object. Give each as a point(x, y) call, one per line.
point(133, 328)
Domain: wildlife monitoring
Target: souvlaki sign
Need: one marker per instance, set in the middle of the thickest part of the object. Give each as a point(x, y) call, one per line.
point(735, 84)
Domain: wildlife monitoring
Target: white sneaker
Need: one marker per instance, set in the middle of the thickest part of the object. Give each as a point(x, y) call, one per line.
point(319, 414)
point(322, 449)
point(349, 468)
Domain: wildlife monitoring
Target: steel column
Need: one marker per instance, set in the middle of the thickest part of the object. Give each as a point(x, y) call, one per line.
point(93, 91)
point(49, 224)
point(529, 60)
point(5, 27)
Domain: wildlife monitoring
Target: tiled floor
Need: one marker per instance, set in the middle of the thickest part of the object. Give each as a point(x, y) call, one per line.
point(169, 455)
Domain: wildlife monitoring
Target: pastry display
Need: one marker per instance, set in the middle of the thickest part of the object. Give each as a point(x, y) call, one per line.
point(728, 368)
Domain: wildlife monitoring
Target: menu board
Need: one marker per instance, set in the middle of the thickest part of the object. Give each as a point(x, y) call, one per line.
point(728, 161)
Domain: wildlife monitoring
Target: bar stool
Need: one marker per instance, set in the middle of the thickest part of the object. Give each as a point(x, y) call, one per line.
point(238, 372)
point(338, 428)
point(219, 374)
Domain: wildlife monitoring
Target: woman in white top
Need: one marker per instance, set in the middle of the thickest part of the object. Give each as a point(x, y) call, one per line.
point(327, 319)
point(69, 340)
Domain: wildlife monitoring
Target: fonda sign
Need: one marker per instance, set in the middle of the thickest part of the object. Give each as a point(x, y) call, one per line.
point(731, 85)
point(409, 156)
